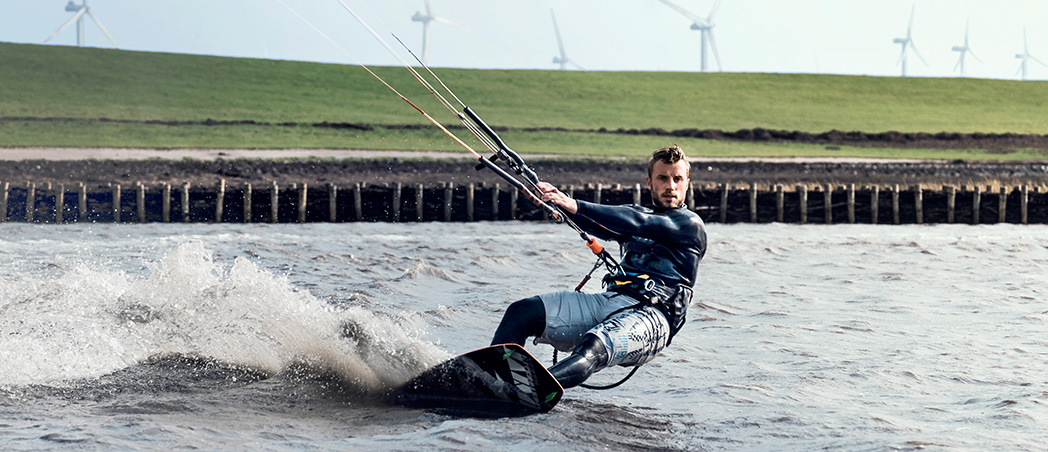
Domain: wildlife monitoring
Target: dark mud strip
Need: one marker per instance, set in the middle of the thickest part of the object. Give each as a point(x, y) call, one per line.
point(994, 142)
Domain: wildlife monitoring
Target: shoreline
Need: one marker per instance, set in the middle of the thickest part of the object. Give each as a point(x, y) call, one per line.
point(376, 183)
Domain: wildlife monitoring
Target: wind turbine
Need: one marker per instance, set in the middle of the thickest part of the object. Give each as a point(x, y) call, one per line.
point(703, 25)
point(964, 50)
point(427, 19)
point(80, 11)
point(563, 59)
point(1025, 57)
point(907, 44)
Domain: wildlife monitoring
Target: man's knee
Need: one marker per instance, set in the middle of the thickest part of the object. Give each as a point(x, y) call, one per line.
point(594, 350)
point(526, 309)
point(591, 355)
point(523, 318)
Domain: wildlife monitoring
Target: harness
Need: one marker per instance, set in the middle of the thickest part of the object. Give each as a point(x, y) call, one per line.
point(651, 291)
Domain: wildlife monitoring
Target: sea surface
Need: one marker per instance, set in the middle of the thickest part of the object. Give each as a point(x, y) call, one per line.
point(287, 337)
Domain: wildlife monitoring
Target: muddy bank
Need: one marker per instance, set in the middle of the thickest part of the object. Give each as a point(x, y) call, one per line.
point(557, 171)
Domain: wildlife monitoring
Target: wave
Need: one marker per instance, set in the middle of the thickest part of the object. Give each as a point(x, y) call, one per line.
point(422, 269)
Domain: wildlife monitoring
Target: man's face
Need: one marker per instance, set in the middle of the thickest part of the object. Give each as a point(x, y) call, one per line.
point(668, 183)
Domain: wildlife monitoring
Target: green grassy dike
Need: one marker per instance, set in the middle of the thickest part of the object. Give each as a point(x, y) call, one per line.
point(76, 87)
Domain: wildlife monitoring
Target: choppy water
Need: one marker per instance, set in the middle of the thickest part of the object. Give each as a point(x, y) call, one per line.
point(284, 337)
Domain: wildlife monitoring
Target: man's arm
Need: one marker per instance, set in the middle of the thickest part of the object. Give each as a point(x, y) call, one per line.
point(619, 222)
point(675, 225)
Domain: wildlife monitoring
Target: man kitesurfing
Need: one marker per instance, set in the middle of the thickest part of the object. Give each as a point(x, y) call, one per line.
point(645, 303)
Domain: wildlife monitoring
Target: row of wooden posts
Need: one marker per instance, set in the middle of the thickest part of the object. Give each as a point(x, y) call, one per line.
point(724, 203)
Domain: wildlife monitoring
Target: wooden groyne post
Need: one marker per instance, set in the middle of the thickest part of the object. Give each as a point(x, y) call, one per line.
point(875, 198)
point(220, 200)
point(247, 212)
point(977, 203)
point(3, 201)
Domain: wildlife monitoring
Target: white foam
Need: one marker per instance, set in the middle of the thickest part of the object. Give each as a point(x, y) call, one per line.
point(89, 322)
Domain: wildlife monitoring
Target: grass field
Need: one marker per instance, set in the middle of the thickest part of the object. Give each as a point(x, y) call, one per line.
point(82, 85)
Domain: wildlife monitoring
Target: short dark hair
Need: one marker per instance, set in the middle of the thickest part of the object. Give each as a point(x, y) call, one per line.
point(669, 155)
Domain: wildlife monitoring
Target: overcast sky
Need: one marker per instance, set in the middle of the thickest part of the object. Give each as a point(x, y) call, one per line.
point(792, 36)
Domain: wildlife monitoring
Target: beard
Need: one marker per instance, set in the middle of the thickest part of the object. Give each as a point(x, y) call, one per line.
point(667, 203)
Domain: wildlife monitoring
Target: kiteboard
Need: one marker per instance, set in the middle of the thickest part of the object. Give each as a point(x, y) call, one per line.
point(497, 381)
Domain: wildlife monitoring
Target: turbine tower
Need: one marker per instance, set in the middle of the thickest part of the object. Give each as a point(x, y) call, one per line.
point(964, 50)
point(427, 19)
point(908, 45)
point(1025, 57)
point(563, 59)
point(80, 11)
point(705, 26)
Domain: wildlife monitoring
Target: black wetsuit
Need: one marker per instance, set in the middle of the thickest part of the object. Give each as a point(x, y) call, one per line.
point(665, 243)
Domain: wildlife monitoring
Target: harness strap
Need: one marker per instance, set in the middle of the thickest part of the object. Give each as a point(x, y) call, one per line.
point(585, 279)
point(672, 303)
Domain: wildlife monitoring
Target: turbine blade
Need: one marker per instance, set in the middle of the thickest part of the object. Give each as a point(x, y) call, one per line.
point(69, 22)
point(103, 28)
point(716, 6)
point(577, 65)
point(429, 9)
point(556, 29)
point(1039, 61)
point(909, 28)
point(446, 21)
point(916, 52)
point(713, 47)
point(974, 56)
point(694, 17)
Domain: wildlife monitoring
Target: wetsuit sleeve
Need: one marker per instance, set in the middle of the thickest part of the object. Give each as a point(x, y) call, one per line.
point(590, 224)
point(621, 222)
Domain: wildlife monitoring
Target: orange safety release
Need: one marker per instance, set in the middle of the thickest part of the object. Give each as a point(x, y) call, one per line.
point(594, 245)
